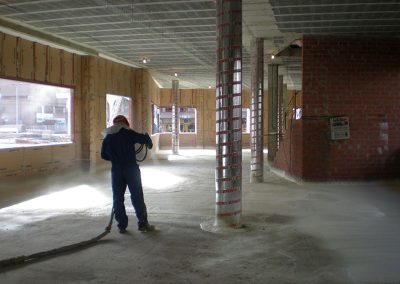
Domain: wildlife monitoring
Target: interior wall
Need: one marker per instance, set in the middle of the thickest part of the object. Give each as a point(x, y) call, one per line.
point(92, 78)
point(24, 60)
point(101, 77)
point(147, 92)
point(358, 79)
point(204, 102)
point(289, 156)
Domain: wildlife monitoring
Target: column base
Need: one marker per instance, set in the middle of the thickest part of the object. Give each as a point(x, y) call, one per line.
point(256, 179)
point(213, 226)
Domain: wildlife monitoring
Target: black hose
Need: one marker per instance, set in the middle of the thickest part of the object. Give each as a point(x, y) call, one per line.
point(139, 150)
point(27, 258)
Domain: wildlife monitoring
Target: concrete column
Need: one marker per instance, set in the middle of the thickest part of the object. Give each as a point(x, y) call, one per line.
point(257, 114)
point(228, 172)
point(272, 111)
point(175, 117)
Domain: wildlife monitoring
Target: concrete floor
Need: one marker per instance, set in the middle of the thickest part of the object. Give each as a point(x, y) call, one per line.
point(295, 233)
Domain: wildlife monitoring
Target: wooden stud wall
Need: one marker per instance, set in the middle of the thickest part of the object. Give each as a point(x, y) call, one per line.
point(25, 60)
point(92, 78)
point(103, 77)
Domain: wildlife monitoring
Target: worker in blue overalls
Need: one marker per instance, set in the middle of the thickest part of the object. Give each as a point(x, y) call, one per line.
point(119, 148)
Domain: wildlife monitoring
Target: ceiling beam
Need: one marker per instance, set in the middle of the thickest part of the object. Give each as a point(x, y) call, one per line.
point(163, 12)
point(313, 13)
point(21, 3)
point(365, 26)
point(146, 44)
point(357, 4)
point(130, 22)
point(155, 39)
point(338, 20)
point(29, 33)
point(199, 31)
point(137, 28)
point(91, 7)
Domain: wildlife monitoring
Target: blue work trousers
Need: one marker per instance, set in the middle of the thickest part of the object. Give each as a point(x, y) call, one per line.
point(122, 176)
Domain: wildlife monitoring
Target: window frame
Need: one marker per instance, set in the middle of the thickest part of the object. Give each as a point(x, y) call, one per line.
point(195, 120)
point(70, 116)
point(248, 120)
point(179, 120)
point(130, 109)
point(155, 107)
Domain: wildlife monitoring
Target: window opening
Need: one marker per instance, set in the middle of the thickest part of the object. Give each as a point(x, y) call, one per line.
point(117, 105)
point(34, 114)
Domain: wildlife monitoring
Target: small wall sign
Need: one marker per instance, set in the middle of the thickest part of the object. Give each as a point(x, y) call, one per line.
point(340, 127)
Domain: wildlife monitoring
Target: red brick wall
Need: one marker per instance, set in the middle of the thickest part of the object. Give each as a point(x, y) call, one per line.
point(360, 79)
point(290, 154)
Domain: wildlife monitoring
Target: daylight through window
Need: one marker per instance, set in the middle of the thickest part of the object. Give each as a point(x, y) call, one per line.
point(246, 120)
point(117, 105)
point(187, 120)
point(34, 114)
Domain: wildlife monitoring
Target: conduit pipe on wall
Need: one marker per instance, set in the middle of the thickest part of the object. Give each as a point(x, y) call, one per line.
point(175, 117)
point(257, 116)
point(228, 173)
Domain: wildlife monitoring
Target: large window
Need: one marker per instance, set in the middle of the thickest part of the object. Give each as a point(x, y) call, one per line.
point(117, 105)
point(34, 114)
point(165, 120)
point(155, 114)
point(187, 120)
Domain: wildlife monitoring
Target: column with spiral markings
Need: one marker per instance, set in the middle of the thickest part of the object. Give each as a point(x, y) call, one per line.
point(175, 117)
point(257, 115)
point(228, 172)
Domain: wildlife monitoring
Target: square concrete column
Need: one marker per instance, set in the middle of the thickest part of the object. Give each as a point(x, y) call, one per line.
point(257, 115)
point(175, 117)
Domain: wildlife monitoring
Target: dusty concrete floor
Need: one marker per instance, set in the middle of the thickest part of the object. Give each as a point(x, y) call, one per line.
point(295, 233)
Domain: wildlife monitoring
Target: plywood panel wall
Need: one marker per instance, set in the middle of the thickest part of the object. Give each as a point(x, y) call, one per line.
point(67, 76)
point(9, 56)
point(186, 98)
point(54, 69)
point(165, 97)
point(25, 60)
point(40, 62)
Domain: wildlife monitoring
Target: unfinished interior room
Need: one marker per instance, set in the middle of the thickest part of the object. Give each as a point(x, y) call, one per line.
point(200, 141)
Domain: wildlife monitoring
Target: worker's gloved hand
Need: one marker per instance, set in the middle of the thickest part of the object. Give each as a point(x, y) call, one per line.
point(149, 144)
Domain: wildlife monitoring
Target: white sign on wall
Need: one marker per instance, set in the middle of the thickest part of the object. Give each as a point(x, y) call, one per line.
point(340, 127)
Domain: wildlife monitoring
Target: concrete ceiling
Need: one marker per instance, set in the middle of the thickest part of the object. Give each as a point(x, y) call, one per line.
point(180, 35)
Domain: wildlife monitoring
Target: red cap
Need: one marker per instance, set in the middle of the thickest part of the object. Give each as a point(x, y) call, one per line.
point(120, 119)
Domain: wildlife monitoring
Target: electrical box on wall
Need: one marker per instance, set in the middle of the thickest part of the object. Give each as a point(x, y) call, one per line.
point(340, 127)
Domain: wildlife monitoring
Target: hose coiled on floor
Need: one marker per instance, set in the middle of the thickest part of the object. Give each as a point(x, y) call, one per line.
point(32, 257)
